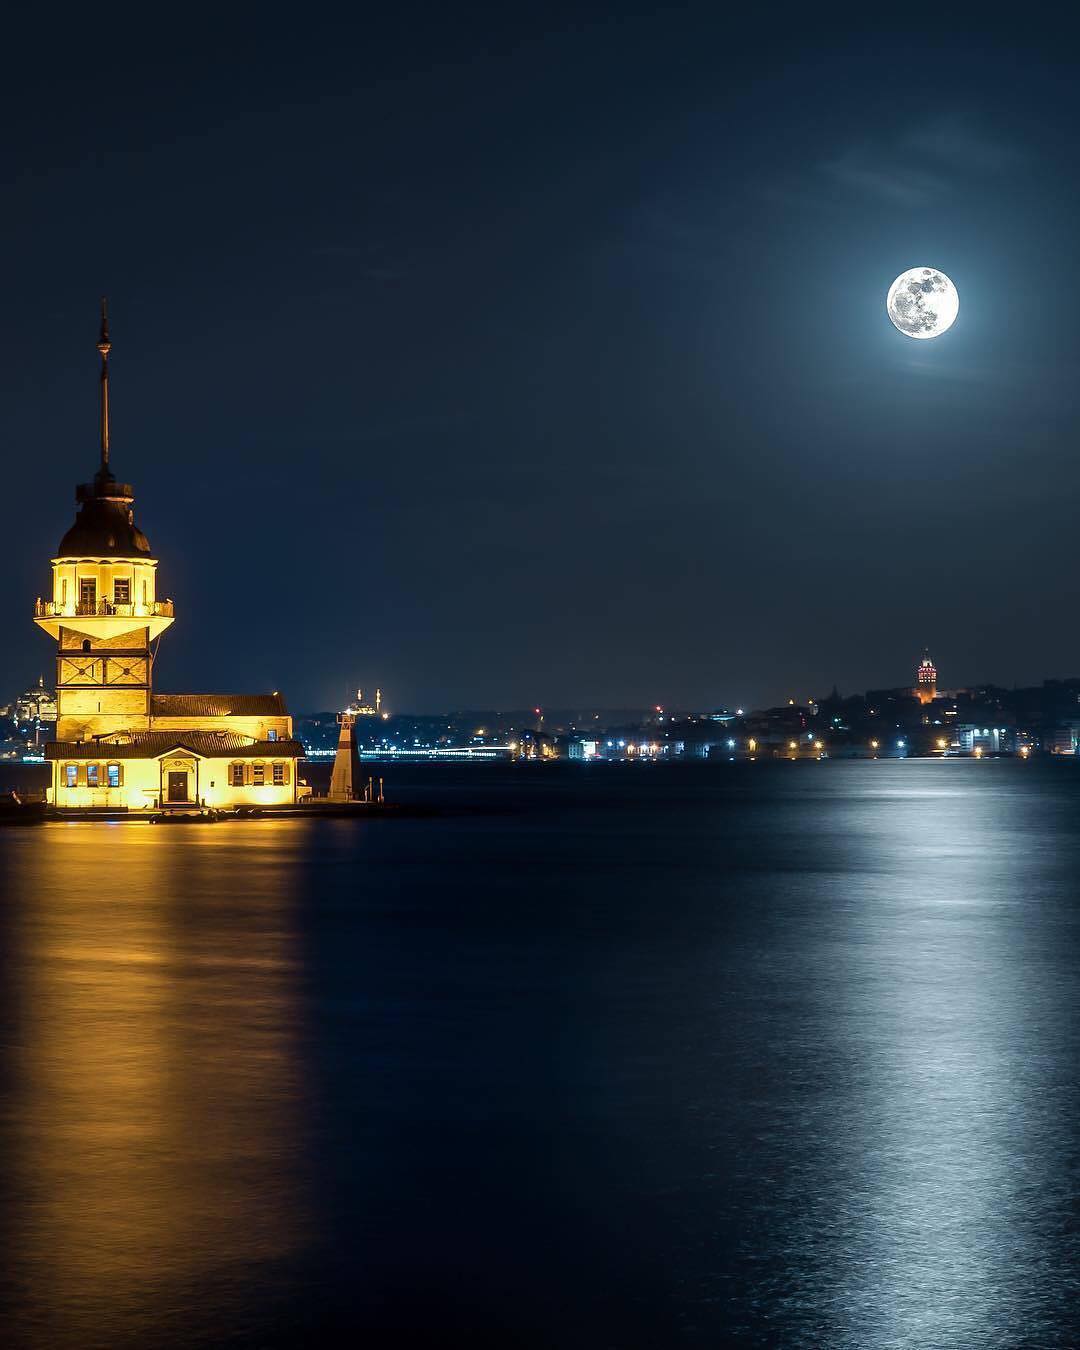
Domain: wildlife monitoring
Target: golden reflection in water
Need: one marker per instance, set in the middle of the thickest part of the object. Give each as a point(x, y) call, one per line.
point(156, 1106)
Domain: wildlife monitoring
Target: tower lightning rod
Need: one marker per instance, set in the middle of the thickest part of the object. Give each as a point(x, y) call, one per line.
point(104, 346)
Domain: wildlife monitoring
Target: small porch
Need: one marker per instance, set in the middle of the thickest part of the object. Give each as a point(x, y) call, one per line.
point(179, 784)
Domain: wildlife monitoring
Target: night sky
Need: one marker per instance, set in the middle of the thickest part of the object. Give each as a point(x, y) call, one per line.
point(516, 357)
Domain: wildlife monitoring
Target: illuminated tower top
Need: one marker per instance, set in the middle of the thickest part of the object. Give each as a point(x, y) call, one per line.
point(926, 680)
point(105, 525)
point(104, 571)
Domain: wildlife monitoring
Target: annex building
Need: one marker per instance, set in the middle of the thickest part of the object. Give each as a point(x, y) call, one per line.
point(118, 743)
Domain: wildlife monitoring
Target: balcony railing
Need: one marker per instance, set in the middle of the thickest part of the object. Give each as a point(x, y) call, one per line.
point(88, 609)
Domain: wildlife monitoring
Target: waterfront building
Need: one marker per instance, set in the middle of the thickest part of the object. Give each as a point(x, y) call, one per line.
point(972, 739)
point(118, 743)
point(1062, 739)
point(577, 748)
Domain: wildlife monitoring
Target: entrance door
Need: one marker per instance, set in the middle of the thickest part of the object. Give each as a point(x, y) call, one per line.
point(177, 786)
point(87, 595)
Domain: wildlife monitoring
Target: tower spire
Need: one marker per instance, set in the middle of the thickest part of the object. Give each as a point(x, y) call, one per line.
point(104, 346)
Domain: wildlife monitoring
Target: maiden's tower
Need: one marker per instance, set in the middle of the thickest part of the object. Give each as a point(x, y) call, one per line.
point(119, 744)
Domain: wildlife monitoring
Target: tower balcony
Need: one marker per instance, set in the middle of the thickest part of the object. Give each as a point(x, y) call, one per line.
point(103, 618)
point(100, 609)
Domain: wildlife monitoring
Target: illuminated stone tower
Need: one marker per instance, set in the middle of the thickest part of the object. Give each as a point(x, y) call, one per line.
point(104, 613)
point(926, 680)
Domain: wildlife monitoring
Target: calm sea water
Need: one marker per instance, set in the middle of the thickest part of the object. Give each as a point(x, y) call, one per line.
point(771, 1054)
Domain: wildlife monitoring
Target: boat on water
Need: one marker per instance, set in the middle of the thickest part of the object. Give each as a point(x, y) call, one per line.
point(14, 810)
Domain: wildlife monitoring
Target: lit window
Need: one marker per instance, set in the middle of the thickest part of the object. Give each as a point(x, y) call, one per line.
point(63, 592)
point(144, 592)
point(271, 735)
point(71, 774)
point(113, 772)
point(279, 774)
point(92, 774)
point(121, 591)
point(236, 775)
point(258, 774)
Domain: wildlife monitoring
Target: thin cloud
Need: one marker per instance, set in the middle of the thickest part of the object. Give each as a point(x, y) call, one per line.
point(871, 175)
point(959, 144)
point(920, 165)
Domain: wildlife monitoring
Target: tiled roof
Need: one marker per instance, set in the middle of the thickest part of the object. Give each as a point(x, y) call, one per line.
point(217, 705)
point(153, 744)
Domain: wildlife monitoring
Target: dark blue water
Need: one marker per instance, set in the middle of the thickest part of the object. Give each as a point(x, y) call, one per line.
point(608, 1056)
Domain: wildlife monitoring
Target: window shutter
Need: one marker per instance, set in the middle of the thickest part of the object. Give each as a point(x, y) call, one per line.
point(248, 776)
point(286, 766)
point(80, 775)
point(120, 774)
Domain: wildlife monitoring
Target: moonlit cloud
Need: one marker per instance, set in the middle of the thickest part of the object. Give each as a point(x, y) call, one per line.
point(920, 165)
point(960, 144)
point(870, 174)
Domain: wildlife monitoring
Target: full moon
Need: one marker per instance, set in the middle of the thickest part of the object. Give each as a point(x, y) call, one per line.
point(922, 302)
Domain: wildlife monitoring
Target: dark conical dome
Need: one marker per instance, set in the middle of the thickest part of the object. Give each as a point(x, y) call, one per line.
point(105, 525)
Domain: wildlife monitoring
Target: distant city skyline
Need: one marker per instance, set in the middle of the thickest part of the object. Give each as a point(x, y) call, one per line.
point(924, 676)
